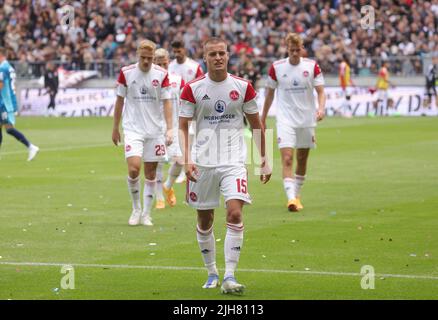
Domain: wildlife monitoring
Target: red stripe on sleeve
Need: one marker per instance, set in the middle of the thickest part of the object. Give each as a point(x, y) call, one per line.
point(199, 71)
point(121, 79)
point(165, 83)
point(316, 70)
point(187, 94)
point(250, 93)
point(272, 73)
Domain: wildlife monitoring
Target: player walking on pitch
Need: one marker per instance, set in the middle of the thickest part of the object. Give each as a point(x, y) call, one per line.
point(293, 79)
point(218, 101)
point(173, 151)
point(142, 86)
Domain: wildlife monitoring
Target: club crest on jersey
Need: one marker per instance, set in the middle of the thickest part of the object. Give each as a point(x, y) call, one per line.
point(193, 196)
point(155, 83)
point(234, 95)
point(305, 73)
point(189, 72)
point(143, 90)
point(219, 106)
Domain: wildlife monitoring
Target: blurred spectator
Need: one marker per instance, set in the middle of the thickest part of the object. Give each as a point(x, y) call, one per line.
point(254, 29)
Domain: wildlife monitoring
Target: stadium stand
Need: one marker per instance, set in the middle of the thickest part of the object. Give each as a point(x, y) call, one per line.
point(103, 34)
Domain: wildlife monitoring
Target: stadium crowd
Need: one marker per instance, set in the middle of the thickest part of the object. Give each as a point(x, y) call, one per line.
point(108, 30)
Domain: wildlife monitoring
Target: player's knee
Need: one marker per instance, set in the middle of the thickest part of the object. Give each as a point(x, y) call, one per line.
point(287, 161)
point(150, 175)
point(234, 215)
point(133, 171)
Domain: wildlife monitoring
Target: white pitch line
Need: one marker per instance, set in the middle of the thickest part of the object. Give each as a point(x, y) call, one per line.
point(125, 266)
point(59, 148)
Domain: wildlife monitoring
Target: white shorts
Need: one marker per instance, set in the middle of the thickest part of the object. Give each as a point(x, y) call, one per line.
point(149, 149)
point(174, 150)
point(296, 138)
point(230, 181)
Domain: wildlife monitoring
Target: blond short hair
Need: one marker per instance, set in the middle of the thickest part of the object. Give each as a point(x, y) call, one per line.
point(294, 39)
point(161, 53)
point(146, 44)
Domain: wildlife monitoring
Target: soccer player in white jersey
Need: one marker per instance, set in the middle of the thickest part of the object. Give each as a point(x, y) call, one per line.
point(173, 151)
point(294, 80)
point(189, 70)
point(218, 101)
point(140, 89)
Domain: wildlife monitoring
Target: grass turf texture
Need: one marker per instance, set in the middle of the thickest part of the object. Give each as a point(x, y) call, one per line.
point(370, 198)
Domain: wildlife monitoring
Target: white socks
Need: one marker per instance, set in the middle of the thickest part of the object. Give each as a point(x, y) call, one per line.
point(232, 246)
point(298, 183)
point(134, 191)
point(207, 244)
point(174, 171)
point(148, 195)
point(159, 177)
point(292, 187)
point(288, 184)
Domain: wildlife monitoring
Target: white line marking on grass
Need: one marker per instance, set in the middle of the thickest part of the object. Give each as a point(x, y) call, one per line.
point(65, 148)
point(125, 266)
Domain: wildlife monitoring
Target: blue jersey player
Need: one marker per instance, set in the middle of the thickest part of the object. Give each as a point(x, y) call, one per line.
point(8, 104)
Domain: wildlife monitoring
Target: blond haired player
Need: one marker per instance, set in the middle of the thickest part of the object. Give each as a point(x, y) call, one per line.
point(173, 151)
point(218, 101)
point(294, 80)
point(141, 87)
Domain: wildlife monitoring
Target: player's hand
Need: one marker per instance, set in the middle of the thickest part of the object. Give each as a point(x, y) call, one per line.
point(265, 171)
point(116, 136)
point(320, 115)
point(191, 171)
point(169, 137)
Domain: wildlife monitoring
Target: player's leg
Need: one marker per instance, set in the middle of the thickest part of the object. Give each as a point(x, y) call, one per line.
point(150, 186)
point(160, 204)
point(10, 129)
point(234, 187)
point(207, 245)
point(175, 170)
point(286, 139)
point(305, 142)
point(133, 181)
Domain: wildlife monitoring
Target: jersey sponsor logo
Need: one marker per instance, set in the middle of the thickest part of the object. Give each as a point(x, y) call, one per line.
point(234, 95)
point(296, 82)
point(206, 97)
point(128, 148)
point(143, 90)
point(155, 83)
point(219, 106)
point(193, 197)
point(305, 73)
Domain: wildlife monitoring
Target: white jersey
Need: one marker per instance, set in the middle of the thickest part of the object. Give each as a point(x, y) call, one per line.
point(218, 109)
point(176, 85)
point(143, 92)
point(188, 70)
point(294, 86)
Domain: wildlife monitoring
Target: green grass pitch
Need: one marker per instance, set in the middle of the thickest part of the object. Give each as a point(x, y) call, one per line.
point(370, 198)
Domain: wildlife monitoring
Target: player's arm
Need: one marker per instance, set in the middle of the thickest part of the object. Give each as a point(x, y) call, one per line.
point(271, 84)
point(269, 97)
point(186, 113)
point(118, 108)
point(167, 108)
point(258, 131)
point(320, 113)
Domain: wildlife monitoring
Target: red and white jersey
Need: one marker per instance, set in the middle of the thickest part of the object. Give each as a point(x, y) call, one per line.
point(176, 85)
point(188, 70)
point(143, 92)
point(294, 86)
point(218, 109)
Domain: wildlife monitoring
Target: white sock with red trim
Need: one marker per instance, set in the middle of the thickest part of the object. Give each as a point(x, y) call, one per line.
point(298, 183)
point(134, 192)
point(232, 246)
point(207, 244)
point(159, 177)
